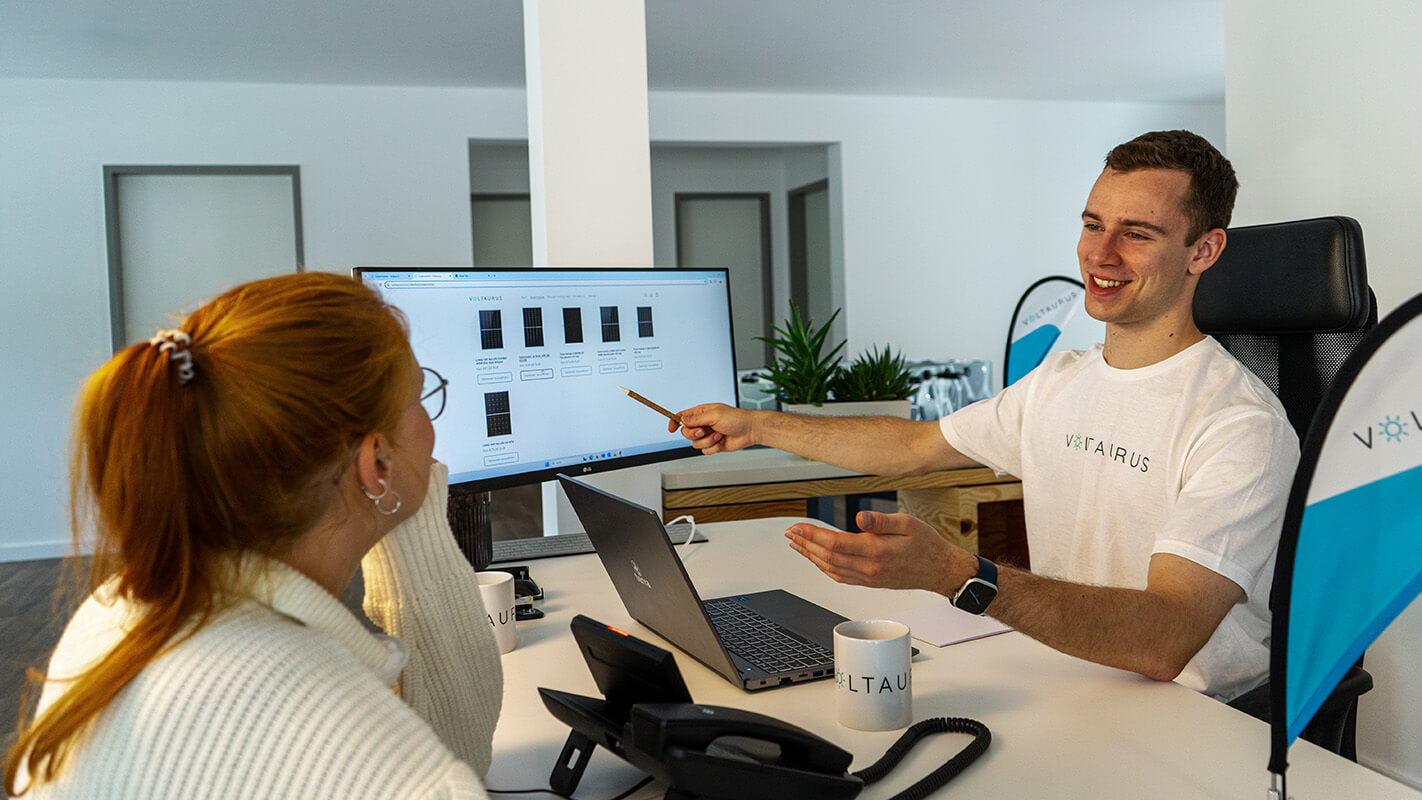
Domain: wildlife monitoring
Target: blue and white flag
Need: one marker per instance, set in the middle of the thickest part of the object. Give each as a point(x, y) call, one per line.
point(1038, 322)
point(1350, 557)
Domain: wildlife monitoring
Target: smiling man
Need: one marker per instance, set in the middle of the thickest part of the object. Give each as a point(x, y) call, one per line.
point(1150, 227)
point(1155, 467)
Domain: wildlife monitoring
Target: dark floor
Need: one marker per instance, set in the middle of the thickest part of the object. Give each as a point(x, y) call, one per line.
point(33, 612)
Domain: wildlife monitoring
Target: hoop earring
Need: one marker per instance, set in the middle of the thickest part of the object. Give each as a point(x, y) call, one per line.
point(376, 498)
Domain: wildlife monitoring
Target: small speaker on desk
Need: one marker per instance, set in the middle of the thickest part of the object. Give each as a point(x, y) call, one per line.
point(473, 532)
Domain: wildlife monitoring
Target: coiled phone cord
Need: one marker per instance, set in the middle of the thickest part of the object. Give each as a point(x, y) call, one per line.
point(982, 737)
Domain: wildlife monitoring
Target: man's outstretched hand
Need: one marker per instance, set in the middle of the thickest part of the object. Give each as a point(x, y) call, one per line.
point(893, 551)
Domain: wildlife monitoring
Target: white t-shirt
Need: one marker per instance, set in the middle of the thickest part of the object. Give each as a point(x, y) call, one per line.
point(1192, 456)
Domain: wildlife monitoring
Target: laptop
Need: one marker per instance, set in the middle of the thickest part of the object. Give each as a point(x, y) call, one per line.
point(756, 641)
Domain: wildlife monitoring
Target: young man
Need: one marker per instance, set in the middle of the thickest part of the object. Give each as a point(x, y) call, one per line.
point(1155, 467)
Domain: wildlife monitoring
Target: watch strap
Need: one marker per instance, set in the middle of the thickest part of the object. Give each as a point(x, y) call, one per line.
point(987, 571)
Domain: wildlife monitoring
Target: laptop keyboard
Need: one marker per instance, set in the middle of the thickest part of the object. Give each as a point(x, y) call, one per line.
point(762, 642)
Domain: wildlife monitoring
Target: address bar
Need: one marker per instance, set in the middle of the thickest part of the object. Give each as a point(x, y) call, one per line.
point(460, 284)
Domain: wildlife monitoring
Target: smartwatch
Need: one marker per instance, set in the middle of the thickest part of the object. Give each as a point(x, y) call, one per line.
point(979, 590)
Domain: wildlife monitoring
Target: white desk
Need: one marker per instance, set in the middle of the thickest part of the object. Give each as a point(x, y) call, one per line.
point(1061, 727)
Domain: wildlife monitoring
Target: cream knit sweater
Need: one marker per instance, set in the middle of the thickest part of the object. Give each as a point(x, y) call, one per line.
point(287, 695)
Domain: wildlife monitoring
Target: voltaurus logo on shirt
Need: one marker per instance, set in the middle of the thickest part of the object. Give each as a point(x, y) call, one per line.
point(1112, 452)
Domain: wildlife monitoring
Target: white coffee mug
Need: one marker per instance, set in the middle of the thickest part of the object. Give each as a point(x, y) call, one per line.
point(872, 676)
point(497, 590)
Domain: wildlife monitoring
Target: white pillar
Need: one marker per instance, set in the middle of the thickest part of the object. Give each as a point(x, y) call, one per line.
point(589, 165)
point(588, 152)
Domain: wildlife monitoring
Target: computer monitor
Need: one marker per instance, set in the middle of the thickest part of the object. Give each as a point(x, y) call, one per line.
point(535, 359)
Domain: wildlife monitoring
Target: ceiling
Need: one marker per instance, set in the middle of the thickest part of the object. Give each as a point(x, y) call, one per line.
point(1109, 50)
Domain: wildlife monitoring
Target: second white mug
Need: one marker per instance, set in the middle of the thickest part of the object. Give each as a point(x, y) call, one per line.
point(497, 591)
point(872, 675)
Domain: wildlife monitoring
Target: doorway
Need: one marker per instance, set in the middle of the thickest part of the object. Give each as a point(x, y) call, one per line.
point(732, 230)
point(180, 234)
point(503, 229)
point(809, 225)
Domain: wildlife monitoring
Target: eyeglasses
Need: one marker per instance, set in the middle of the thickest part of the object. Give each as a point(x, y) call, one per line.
point(432, 393)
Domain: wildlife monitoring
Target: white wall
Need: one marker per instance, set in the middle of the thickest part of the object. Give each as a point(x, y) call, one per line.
point(1324, 103)
point(384, 179)
point(693, 169)
point(951, 208)
point(687, 168)
point(1336, 132)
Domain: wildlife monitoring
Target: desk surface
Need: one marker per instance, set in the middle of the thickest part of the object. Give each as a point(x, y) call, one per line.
point(1061, 727)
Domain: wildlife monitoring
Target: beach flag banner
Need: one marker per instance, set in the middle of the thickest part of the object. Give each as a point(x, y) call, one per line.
point(1350, 553)
point(1042, 315)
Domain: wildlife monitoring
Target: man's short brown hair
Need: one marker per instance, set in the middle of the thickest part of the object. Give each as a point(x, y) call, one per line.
point(1209, 202)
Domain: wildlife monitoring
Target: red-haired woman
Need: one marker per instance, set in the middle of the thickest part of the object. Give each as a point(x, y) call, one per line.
point(236, 473)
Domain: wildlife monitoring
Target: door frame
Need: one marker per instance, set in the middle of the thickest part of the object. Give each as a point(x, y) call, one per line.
point(795, 219)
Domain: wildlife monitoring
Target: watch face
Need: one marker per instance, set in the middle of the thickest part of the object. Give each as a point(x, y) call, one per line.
point(975, 596)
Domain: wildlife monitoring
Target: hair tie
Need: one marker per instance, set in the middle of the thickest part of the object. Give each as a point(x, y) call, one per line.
point(175, 344)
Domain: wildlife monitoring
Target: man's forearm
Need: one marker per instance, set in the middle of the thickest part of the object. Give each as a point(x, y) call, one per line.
point(1155, 631)
point(871, 445)
point(1130, 629)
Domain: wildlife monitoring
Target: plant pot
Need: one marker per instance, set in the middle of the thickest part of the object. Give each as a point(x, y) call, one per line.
point(865, 408)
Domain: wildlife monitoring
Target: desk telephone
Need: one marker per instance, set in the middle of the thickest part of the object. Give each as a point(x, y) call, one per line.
point(648, 718)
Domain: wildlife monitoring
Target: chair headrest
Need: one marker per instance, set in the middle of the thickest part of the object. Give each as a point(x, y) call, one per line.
point(1306, 276)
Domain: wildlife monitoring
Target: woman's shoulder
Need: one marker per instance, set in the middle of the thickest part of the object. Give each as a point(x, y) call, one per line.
point(253, 704)
point(249, 640)
point(254, 662)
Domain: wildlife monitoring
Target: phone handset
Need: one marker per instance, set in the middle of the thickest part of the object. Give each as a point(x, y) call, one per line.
point(692, 726)
point(745, 754)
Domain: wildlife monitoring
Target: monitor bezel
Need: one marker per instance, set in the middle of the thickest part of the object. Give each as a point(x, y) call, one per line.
point(547, 474)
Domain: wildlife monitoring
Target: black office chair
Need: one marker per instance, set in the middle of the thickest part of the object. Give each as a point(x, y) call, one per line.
point(1290, 300)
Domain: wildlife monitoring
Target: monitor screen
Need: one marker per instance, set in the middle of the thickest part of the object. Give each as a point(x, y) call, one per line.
point(536, 359)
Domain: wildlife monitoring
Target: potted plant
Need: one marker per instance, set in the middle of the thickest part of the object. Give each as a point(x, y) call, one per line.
point(802, 371)
point(875, 382)
point(809, 381)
